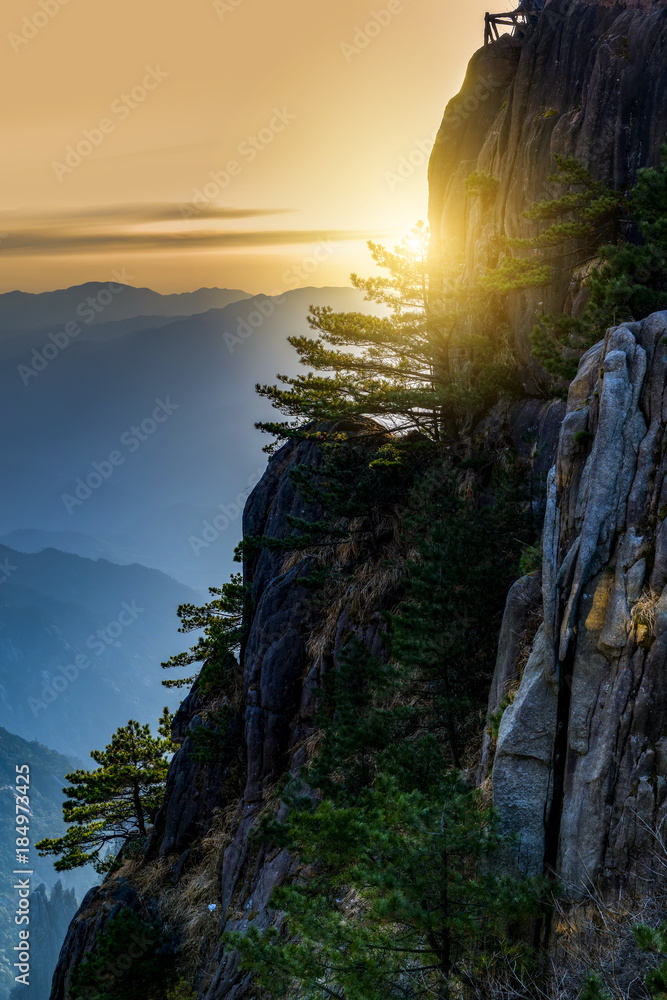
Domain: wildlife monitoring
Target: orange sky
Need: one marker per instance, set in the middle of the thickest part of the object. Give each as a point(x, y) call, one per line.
point(237, 143)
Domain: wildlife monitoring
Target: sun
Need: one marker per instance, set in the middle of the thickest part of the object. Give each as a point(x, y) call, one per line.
point(416, 242)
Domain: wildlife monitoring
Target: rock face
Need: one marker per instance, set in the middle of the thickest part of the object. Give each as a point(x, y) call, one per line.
point(99, 906)
point(278, 706)
point(201, 834)
point(588, 81)
point(580, 769)
point(279, 678)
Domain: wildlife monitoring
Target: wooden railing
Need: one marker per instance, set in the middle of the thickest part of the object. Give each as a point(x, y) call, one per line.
point(513, 19)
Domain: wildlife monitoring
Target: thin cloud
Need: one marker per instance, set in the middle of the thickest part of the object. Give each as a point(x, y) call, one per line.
point(45, 241)
point(128, 215)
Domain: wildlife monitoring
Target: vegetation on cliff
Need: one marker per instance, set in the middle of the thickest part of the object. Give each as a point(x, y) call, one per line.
point(223, 624)
point(620, 238)
point(397, 889)
point(419, 367)
point(373, 918)
point(114, 802)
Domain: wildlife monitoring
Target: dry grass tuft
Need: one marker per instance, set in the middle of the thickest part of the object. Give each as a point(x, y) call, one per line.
point(643, 611)
point(592, 935)
point(360, 593)
point(184, 907)
point(528, 638)
point(310, 744)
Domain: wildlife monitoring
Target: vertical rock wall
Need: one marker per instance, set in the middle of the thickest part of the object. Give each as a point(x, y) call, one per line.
point(580, 768)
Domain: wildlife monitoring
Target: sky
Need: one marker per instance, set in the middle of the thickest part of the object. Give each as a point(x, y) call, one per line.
point(246, 144)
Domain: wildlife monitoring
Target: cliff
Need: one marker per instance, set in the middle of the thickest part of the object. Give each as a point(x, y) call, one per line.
point(201, 852)
point(587, 81)
point(580, 769)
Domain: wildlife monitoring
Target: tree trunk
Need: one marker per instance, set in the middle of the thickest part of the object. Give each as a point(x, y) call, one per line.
point(138, 807)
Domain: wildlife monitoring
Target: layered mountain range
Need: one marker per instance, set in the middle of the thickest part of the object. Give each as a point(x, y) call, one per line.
point(169, 395)
point(81, 642)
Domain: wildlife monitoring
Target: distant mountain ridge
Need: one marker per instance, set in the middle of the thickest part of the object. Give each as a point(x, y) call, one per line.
point(81, 643)
point(71, 407)
point(34, 540)
point(113, 300)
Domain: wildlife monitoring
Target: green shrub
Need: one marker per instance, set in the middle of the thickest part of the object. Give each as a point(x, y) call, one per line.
point(181, 991)
point(594, 988)
point(495, 718)
point(654, 940)
point(531, 559)
point(481, 184)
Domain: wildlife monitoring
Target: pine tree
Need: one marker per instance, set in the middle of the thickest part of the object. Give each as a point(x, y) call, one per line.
point(358, 720)
point(398, 892)
point(653, 940)
point(594, 988)
point(631, 281)
point(578, 221)
point(419, 369)
point(222, 621)
point(445, 631)
point(117, 800)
